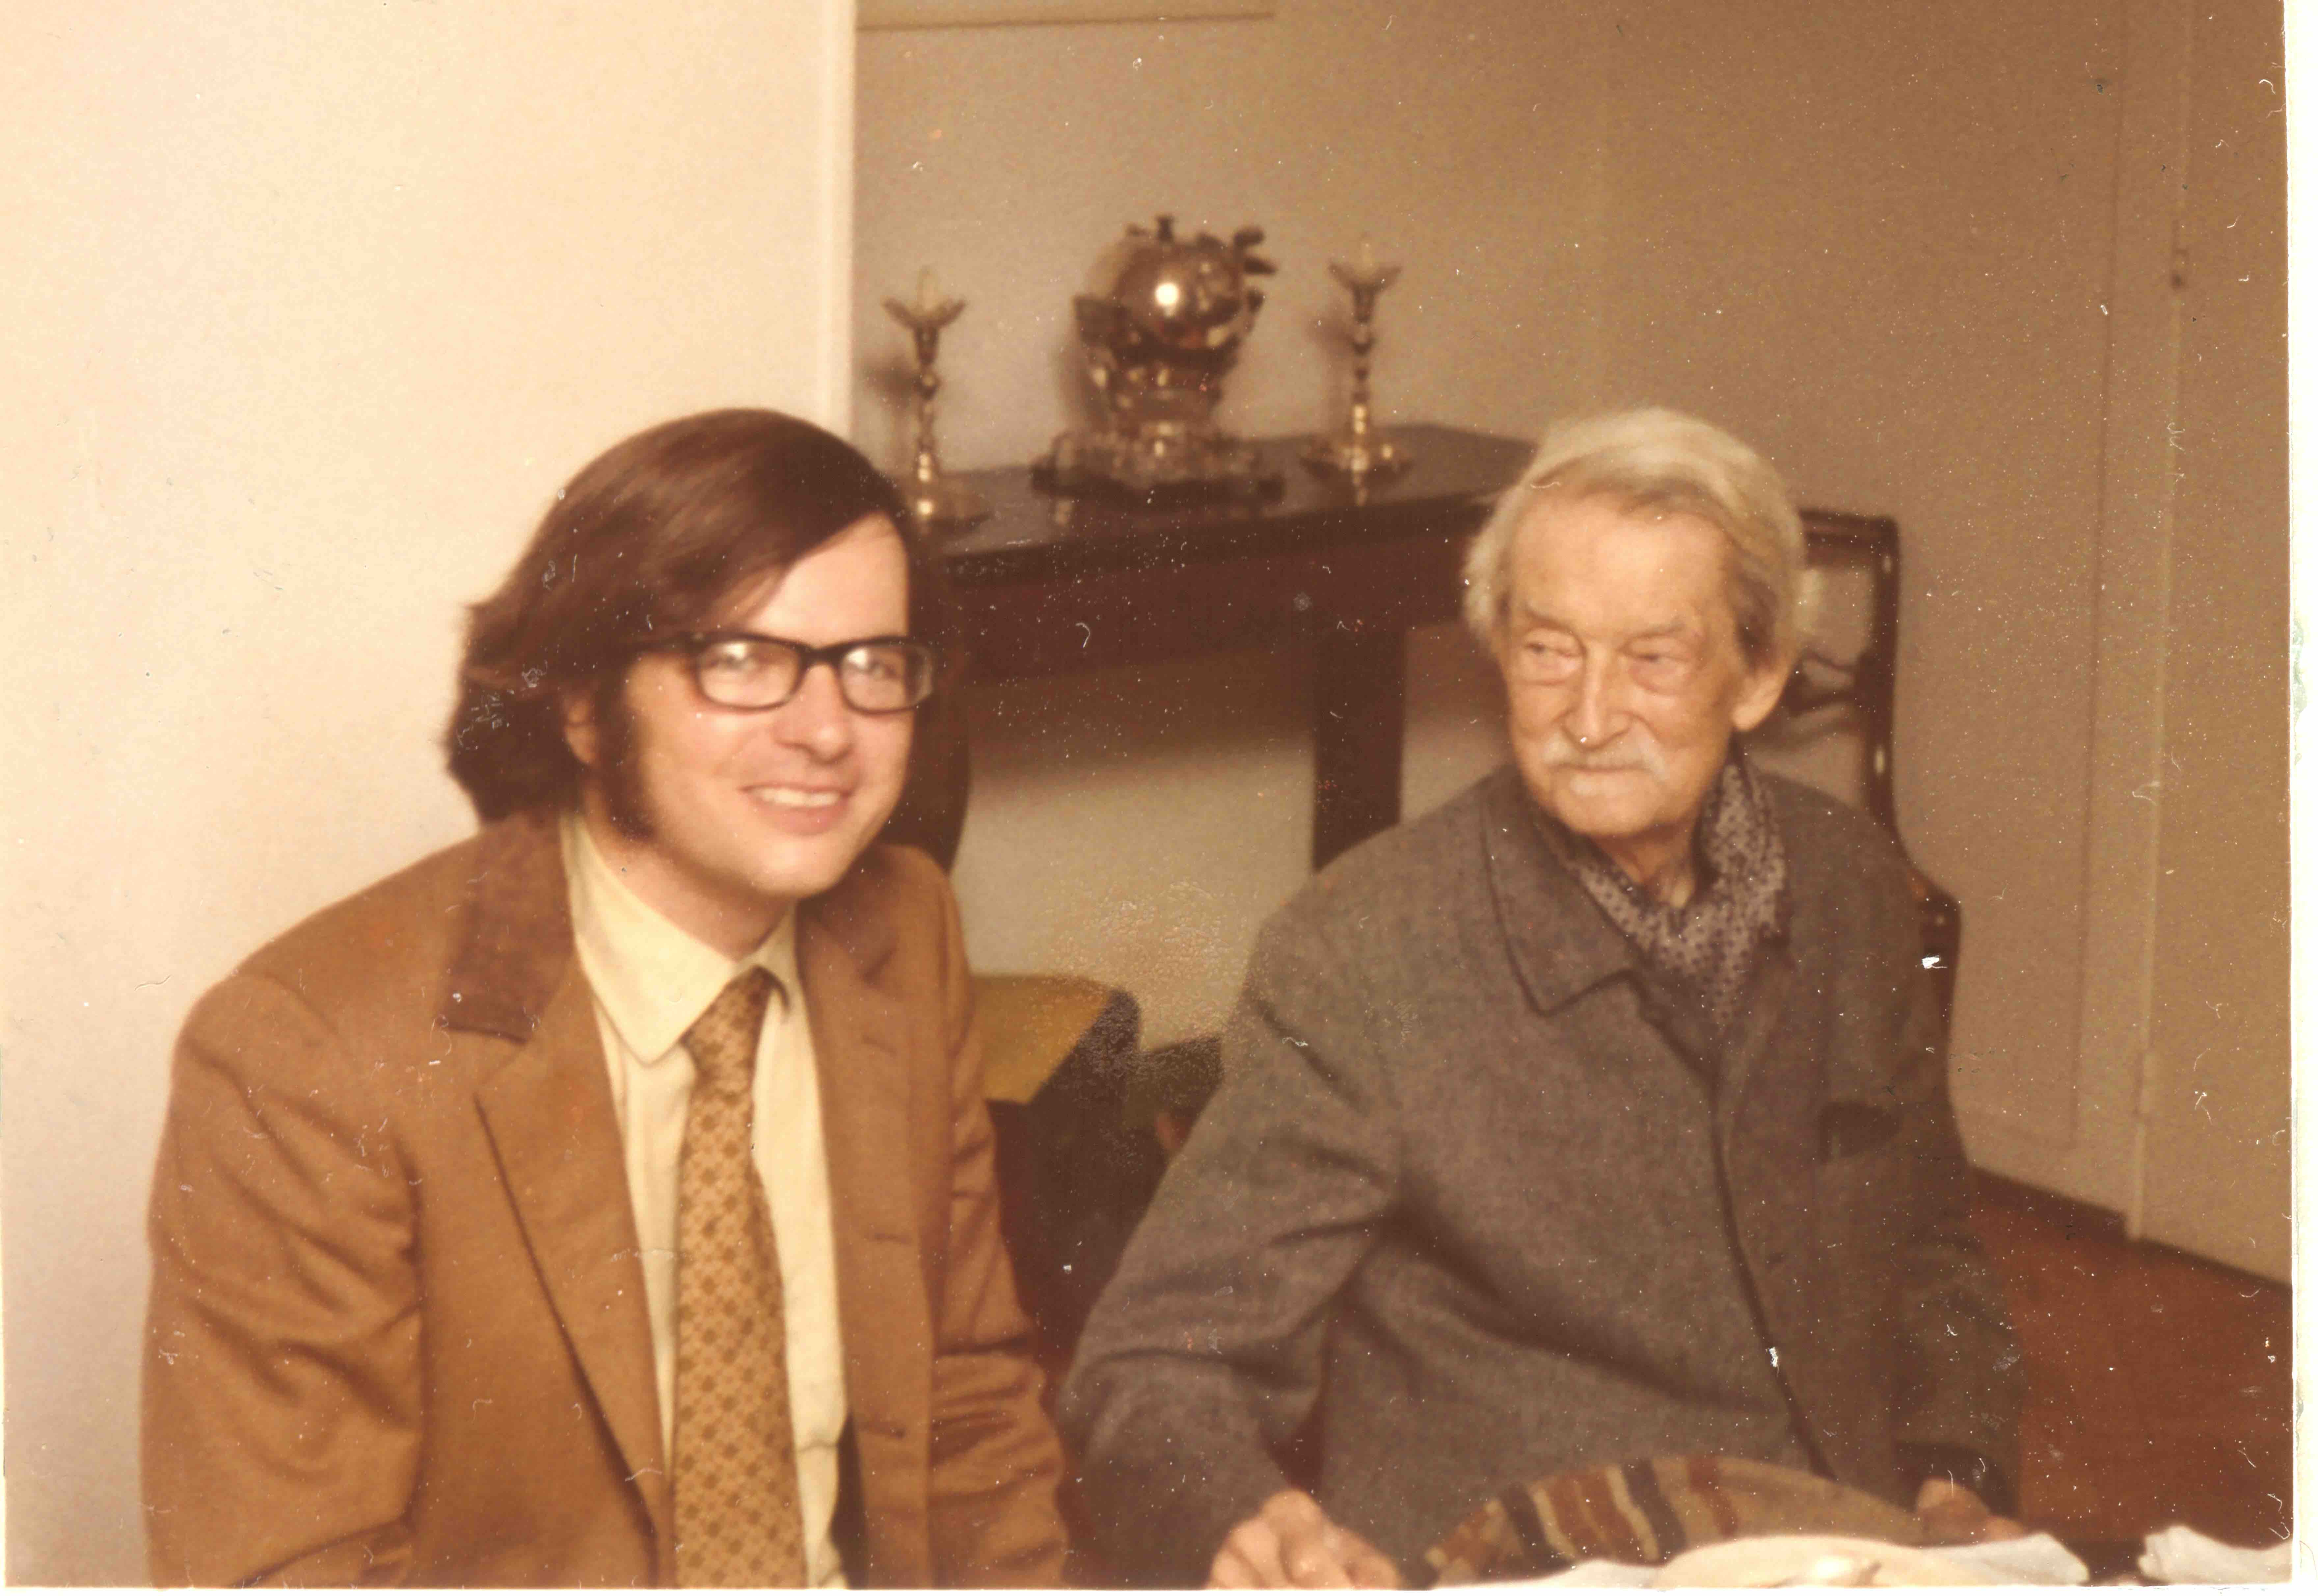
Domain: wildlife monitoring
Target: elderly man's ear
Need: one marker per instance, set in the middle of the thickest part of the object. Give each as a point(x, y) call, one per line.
point(1760, 695)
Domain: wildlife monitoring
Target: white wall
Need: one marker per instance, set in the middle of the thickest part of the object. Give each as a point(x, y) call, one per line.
point(310, 308)
point(2216, 1177)
point(1878, 241)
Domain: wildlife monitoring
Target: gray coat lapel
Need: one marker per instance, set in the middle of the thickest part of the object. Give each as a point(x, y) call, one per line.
point(1758, 1025)
point(1769, 1102)
point(548, 1110)
point(1766, 1115)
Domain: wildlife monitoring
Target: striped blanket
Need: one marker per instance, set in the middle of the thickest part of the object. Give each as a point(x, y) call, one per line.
point(1649, 1511)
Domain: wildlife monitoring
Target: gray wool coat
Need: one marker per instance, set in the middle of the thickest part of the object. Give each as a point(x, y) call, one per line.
point(1464, 1203)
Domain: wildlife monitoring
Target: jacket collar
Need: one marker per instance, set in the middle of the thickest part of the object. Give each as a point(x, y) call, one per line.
point(1561, 943)
point(516, 945)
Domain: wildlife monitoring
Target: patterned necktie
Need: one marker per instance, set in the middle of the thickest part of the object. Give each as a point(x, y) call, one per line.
point(737, 1522)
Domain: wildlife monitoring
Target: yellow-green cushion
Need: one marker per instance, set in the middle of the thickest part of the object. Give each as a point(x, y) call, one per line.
point(1029, 1024)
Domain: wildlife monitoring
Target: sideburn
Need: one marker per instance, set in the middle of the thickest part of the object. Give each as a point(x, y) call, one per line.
point(616, 777)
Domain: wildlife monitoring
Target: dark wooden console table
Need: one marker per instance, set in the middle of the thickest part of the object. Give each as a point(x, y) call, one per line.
point(1048, 585)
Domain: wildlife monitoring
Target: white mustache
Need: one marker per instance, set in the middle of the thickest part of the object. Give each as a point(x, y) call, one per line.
point(1633, 749)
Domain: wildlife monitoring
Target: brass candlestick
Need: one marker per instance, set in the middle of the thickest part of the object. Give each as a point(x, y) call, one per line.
point(936, 498)
point(1360, 452)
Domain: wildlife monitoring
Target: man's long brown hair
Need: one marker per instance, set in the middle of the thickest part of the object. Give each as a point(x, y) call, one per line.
point(648, 543)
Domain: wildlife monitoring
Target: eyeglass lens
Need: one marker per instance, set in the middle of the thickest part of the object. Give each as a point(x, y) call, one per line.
point(760, 672)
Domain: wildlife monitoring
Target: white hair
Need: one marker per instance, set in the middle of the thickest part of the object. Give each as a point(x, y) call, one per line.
point(1662, 460)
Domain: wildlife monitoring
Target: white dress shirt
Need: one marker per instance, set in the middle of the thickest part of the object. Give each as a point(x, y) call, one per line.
point(651, 982)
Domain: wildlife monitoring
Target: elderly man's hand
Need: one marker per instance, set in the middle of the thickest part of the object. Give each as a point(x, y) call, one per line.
point(1958, 1516)
point(1291, 1543)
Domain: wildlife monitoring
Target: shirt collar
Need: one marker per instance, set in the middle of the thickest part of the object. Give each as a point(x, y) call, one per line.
point(652, 977)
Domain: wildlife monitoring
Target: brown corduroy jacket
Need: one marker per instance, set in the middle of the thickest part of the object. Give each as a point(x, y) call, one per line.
point(397, 1330)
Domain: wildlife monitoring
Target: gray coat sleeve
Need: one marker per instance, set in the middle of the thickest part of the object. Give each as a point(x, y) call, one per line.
point(1204, 1355)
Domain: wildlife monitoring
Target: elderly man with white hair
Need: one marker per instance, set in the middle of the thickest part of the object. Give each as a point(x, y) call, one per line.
point(1598, 1116)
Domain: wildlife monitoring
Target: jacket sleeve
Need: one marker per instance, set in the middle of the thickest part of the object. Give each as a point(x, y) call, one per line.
point(994, 1461)
point(281, 1405)
point(1204, 1358)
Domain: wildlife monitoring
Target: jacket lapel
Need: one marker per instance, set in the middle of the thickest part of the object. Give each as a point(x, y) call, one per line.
point(548, 1110)
point(883, 1306)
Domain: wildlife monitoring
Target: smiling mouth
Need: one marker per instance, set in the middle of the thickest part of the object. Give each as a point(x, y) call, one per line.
point(797, 797)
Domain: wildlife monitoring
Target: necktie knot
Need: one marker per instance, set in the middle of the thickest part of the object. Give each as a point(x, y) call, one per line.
point(722, 1042)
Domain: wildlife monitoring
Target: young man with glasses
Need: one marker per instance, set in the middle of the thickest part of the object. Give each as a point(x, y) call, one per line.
point(610, 1199)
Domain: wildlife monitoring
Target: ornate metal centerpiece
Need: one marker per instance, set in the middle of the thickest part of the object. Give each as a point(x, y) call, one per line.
point(1162, 327)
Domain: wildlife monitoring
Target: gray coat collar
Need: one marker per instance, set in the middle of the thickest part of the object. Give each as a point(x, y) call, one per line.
point(1561, 943)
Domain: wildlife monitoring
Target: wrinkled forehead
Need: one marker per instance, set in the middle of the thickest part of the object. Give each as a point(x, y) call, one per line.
point(1606, 557)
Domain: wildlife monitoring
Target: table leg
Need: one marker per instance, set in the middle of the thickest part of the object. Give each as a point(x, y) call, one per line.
point(1358, 703)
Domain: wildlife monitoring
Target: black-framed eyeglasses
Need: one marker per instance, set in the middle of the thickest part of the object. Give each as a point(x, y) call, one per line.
point(876, 675)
